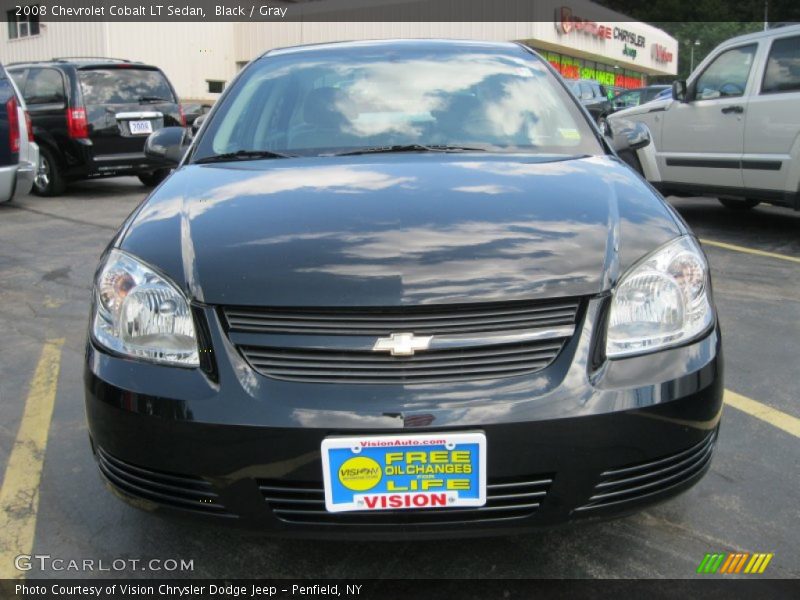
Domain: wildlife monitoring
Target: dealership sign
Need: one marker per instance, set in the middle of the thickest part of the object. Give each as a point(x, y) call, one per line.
point(567, 23)
point(661, 54)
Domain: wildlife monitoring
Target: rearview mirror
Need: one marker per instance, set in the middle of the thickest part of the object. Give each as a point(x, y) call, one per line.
point(627, 135)
point(679, 90)
point(167, 145)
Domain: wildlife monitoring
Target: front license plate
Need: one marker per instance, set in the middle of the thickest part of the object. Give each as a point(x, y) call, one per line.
point(402, 472)
point(140, 127)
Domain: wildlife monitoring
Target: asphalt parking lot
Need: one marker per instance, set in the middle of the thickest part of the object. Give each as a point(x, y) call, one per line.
point(747, 502)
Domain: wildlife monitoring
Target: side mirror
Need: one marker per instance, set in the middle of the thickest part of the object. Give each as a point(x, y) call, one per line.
point(627, 135)
point(679, 90)
point(167, 145)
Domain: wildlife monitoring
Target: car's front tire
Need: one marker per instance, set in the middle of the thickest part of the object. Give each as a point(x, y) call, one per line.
point(48, 181)
point(153, 178)
point(739, 204)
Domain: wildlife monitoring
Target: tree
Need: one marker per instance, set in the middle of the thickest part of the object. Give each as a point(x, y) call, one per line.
point(709, 34)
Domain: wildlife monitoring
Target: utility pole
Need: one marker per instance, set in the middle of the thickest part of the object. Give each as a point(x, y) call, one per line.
point(766, 14)
point(692, 44)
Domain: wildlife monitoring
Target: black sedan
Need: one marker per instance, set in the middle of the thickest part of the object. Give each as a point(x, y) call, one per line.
point(401, 289)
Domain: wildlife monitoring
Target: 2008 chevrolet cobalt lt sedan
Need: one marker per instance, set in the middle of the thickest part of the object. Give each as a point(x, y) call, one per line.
point(398, 289)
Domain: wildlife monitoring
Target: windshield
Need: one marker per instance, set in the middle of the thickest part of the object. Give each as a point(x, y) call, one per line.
point(124, 86)
point(315, 102)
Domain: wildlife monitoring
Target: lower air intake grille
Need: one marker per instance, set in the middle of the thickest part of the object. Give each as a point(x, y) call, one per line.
point(505, 500)
point(639, 481)
point(177, 491)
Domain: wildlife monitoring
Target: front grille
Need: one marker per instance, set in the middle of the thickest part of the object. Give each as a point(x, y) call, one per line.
point(304, 503)
point(437, 320)
point(177, 491)
point(470, 342)
point(432, 366)
point(639, 481)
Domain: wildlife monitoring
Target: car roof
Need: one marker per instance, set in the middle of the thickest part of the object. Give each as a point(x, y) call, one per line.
point(82, 62)
point(399, 43)
point(773, 32)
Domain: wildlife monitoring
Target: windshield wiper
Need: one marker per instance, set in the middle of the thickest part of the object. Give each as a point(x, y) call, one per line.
point(409, 148)
point(144, 99)
point(242, 155)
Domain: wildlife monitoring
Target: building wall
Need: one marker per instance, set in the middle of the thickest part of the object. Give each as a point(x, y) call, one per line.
point(189, 53)
point(56, 39)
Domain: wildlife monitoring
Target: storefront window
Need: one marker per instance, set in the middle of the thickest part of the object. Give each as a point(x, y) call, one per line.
point(577, 68)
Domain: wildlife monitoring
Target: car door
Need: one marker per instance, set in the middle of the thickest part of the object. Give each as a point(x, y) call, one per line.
point(46, 100)
point(772, 121)
point(124, 104)
point(702, 139)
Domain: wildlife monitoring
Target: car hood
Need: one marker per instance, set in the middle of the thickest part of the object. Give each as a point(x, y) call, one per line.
point(398, 229)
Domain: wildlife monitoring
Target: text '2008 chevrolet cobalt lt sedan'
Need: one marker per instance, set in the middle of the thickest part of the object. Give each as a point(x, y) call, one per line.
point(401, 289)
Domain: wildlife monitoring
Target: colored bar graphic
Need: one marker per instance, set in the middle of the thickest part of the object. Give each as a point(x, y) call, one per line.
point(733, 562)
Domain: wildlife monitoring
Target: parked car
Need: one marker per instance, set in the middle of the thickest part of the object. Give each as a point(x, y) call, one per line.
point(638, 96)
point(594, 97)
point(372, 304)
point(732, 131)
point(193, 110)
point(19, 154)
point(91, 117)
point(664, 94)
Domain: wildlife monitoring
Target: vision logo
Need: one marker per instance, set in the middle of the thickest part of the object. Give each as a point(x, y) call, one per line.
point(734, 562)
point(360, 473)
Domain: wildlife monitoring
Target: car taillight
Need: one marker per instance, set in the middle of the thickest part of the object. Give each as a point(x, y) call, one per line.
point(183, 116)
point(29, 126)
point(13, 125)
point(77, 125)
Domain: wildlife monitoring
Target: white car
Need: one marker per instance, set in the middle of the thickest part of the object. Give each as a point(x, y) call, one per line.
point(732, 130)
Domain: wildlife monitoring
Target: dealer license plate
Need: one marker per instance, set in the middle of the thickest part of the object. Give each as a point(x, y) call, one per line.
point(140, 127)
point(402, 472)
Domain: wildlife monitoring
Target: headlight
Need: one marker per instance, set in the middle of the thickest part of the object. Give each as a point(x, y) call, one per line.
point(141, 314)
point(663, 301)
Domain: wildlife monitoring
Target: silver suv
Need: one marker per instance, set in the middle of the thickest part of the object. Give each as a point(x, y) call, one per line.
point(732, 130)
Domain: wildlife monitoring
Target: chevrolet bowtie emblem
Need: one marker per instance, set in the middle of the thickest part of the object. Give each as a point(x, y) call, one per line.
point(402, 344)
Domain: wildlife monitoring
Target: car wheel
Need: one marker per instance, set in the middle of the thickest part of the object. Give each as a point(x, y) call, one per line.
point(48, 181)
point(154, 178)
point(739, 204)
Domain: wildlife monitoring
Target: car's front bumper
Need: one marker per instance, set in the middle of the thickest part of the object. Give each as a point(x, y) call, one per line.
point(588, 442)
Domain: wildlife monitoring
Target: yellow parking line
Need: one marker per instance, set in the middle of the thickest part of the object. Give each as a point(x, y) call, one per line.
point(774, 417)
point(19, 494)
point(736, 248)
